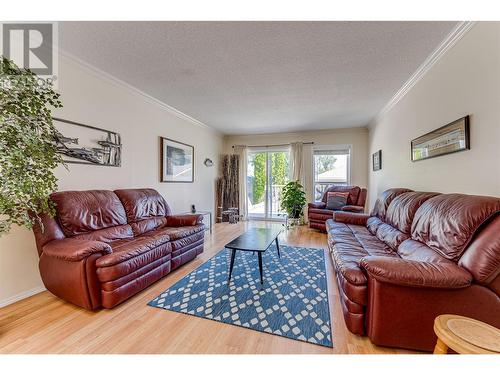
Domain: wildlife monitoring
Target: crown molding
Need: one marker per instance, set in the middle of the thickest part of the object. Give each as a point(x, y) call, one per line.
point(453, 37)
point(122, 84)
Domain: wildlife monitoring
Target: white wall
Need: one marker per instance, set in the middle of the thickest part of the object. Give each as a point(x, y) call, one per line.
point(92, 98)
point(465, 81)
point(356, 137)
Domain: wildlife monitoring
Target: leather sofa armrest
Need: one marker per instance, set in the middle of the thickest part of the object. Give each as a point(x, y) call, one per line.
point(445, 275)
point(353, 208)
point(184, 220)
point(317, 205)
point(74, 250)
point(350, 217)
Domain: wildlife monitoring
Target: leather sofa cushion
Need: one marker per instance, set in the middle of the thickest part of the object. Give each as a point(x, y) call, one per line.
point(384, 200)
point(371, 244)
point(131, 261)
point(80, 212)
point(346, 256)
point(175, 233)
point(335, 227)
point(349, 243)
point(401, 210)
point(358, 235)
point(125, 250)
point(130, 255)
point(146, 225)
point(414, 250)
point(390, 235)
point(482, 257)
point(448, 222)
point(142, 204)
point(110, 234)
point(373, 223)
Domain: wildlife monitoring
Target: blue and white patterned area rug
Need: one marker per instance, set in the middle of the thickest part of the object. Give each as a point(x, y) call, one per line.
point(292, 302)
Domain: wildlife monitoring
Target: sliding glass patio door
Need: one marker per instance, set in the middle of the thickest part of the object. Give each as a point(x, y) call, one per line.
point(267, 172)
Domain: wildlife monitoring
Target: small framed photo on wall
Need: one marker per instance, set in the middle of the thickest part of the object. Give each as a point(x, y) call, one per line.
point(177, 161)
point(377, 160)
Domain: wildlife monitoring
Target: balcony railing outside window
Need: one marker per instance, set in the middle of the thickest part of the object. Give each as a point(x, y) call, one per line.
point(331, 167)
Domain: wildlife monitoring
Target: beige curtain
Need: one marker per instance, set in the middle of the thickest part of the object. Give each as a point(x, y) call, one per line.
point(296, 163)
point(242, 152)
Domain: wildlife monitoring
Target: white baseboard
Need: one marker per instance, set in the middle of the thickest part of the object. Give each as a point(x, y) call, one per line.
point(22, 295)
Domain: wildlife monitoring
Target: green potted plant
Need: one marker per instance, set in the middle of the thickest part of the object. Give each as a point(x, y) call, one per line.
point(28, 154)
point(293, 199)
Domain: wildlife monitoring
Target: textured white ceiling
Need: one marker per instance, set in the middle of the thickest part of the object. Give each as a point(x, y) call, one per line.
point(261, 77)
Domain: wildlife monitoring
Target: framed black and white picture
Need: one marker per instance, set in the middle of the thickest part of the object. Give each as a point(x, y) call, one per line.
point(448, 139)
point(176, 161)
point(85, 144)
point(377, 160)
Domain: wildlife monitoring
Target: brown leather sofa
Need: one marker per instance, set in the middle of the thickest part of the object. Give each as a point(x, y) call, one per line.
point(418, 255)
point(318, 214)
point(103, 246)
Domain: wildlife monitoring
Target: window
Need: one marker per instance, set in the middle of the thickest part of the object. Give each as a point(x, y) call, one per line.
point(331, 166)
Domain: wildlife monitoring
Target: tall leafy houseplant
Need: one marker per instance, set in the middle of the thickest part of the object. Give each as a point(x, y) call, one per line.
point(27, 149)
point(293, 199)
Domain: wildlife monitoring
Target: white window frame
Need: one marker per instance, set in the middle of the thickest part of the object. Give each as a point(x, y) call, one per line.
point(339, 147)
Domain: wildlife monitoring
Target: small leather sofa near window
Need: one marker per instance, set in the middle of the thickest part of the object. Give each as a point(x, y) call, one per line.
point(103, 246)
point(318, 214)
point(416, 256)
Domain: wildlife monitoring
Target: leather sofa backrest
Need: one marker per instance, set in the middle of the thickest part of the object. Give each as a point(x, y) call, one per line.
point(80, 212)
point(352, 199)
point(447, 222)
point(402, 209)
point(384, 200)
point(107, 235)
point(47, 230)
point(146, 209)
point(361, 198)
point(482, 257)
point(142, 204)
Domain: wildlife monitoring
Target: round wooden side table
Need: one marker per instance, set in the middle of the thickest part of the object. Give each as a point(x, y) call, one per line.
point(465, 336)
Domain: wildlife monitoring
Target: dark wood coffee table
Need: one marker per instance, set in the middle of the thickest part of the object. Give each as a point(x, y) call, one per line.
point(255, 240)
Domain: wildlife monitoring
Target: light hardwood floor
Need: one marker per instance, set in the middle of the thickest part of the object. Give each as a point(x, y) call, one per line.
point(45, 324)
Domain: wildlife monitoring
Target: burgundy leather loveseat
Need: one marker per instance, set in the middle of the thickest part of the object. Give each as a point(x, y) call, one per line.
point(318, 214)
point(103, 246)
point(418, 255)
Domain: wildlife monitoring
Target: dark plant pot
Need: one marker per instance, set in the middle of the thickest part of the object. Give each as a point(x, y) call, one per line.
point(296, 213)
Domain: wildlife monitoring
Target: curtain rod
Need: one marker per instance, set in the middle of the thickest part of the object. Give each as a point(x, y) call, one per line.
point(283, 144)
